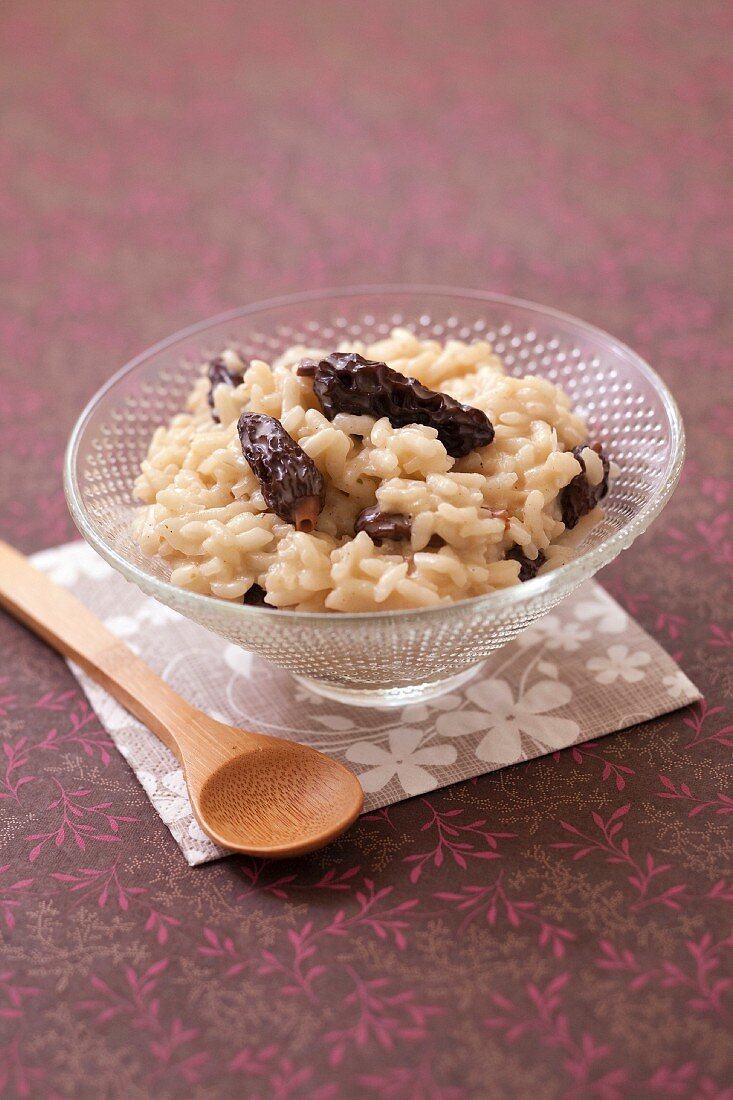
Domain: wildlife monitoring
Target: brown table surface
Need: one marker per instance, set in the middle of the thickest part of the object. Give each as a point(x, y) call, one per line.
point(162, 162)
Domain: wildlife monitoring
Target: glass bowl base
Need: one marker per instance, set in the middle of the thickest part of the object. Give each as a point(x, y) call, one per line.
point(388, 697)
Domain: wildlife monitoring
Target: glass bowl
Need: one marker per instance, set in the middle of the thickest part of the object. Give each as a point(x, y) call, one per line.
point(382, 658)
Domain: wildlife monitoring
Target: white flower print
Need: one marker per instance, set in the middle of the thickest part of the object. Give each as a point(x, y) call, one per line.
point(157, 614)
point(148, 781)
point(151, 613)
point(553, 633)
point(679, 685)
point(404, 758)
point(218, 716)
point(124, 626)
point(67, 564)
point(197, 846)
point(603, 612)
point(505, 719)
point(237, 659)
point(619, 662)
point(168, 794)
point(301, 695)
point(420, 712)
point(197, 833)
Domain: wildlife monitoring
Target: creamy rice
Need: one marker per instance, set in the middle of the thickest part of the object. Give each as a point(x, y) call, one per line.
point(205, 514)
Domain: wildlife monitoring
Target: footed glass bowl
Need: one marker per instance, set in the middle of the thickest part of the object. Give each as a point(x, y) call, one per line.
point(382, 658)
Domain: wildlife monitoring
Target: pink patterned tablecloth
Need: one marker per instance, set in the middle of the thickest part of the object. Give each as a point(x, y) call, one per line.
point(558, 929)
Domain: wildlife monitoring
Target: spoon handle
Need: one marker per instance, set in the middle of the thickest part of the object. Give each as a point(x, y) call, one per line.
point(68, 627)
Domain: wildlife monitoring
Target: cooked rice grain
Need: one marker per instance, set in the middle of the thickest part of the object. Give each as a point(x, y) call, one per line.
point(205, 514)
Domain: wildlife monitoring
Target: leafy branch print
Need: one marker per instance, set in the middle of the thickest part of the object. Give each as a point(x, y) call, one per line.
point(686, 1080)
point(298, 971)
point(544, 1017)
point(136, 1000)
point(418, 1081)
point(222, 947)
point(258, 874)
point(166, 1049)
point(720, 638)
point(6, 701)
point(138, 1003)
point(624, 961)
point(722, 803)
point(90, 740)
point(380, 815)
point(721, 891)
point(672, 625)
point(16, 756)
point(615, 772)
point(618, 850)
point(492, 902)
point(455, 840)
point(672, 1082)
point(160, 924)
point(12, 895)
point(54, 700)
point(383, 1017)
point(90, 881)
point(707, 989)
point(707, 539)
point(15, 1073)
point(386, 923)
point(105, 884)
point(697, 721)
point(72, 810)
point(12, 995)
point(280, 1077)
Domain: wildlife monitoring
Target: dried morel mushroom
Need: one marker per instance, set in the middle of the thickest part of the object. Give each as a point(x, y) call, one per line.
point(580, 497)
point(345, 382)
point(528, 567)
point(255, 596)
point(222, 371)
point(383, 525)
point(292, 484)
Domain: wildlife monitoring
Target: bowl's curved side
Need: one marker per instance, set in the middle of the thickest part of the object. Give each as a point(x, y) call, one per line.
point(629, 407)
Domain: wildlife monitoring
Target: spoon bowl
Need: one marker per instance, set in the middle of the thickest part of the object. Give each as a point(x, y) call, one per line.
point(281, 798)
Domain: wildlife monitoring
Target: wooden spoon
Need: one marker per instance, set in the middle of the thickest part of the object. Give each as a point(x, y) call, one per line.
point(250, 792)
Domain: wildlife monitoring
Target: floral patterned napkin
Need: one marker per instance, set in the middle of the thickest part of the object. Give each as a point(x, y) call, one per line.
point(583, 671)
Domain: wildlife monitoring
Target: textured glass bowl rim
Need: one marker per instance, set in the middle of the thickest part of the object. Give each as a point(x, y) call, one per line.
point(567, 576)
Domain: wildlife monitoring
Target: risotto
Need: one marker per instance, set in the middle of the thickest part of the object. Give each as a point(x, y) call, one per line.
point(461, 482)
